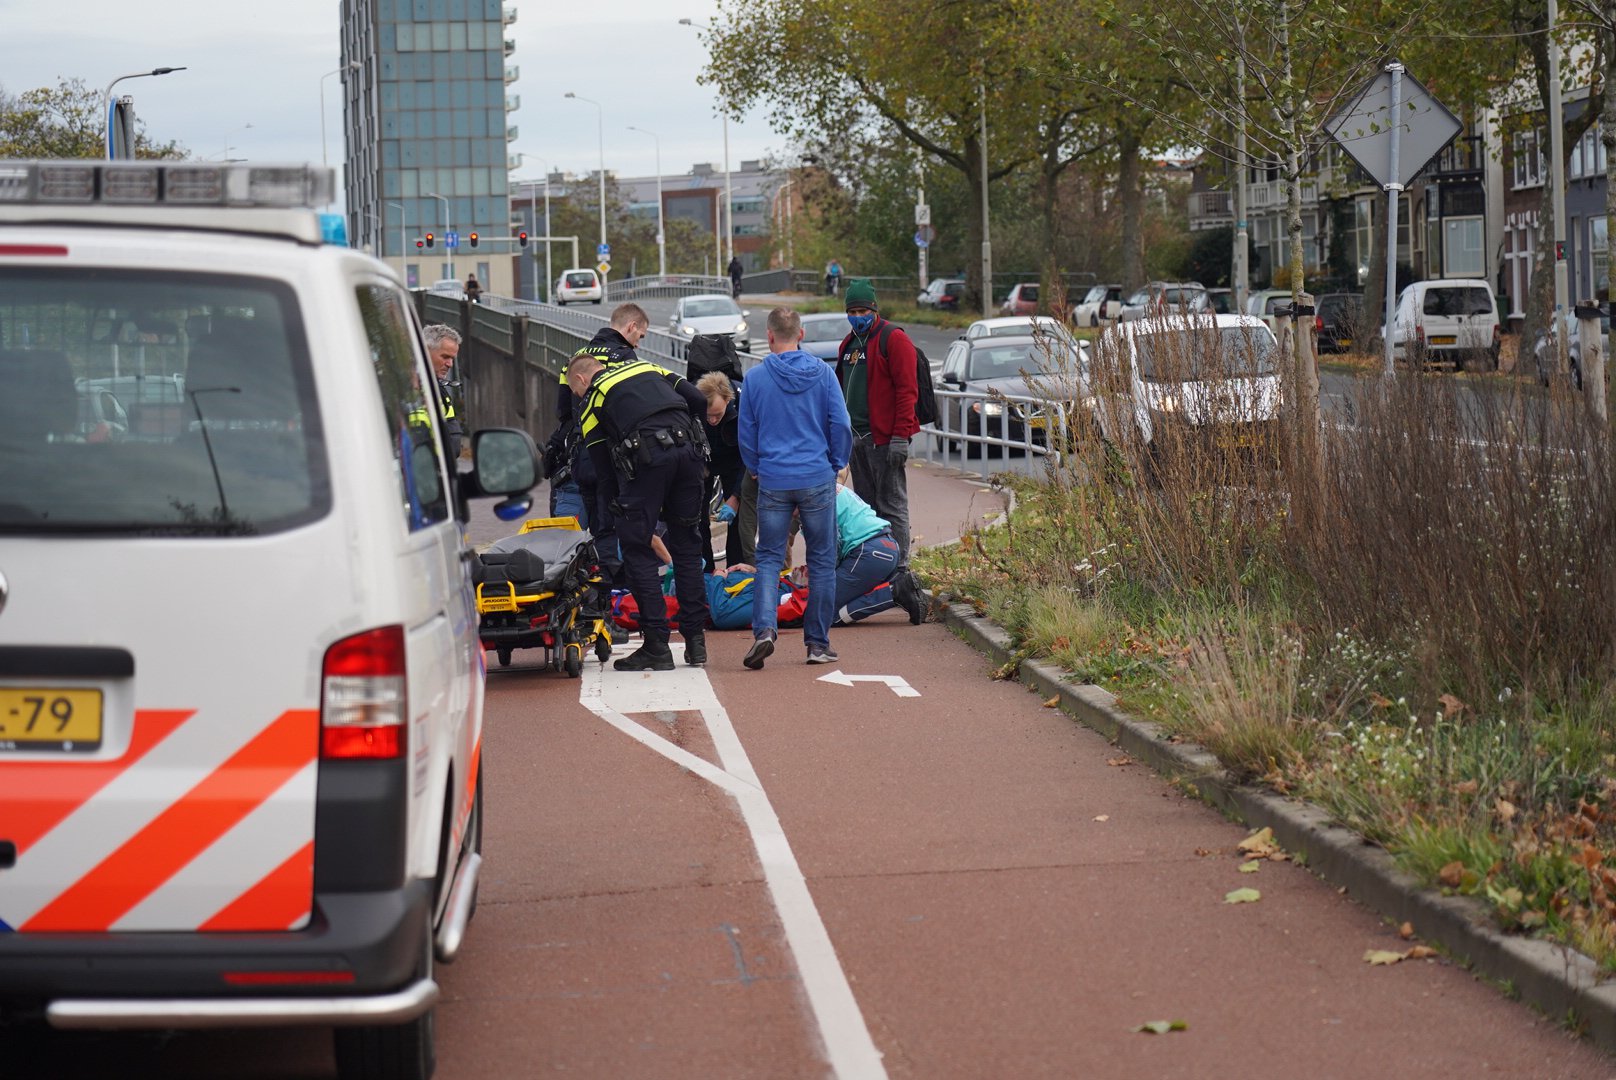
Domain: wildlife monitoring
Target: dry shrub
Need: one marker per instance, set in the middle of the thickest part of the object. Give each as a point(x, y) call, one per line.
point(1190, 508)
point(1241, 689)
point(1477, 522)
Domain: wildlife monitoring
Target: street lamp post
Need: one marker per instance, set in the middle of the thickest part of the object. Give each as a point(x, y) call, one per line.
point(987, 246)
point(600, 134)
point(729, 194)
point(233, 133)
point(448, 252)
point(661, 233)
point(402, 240)
point(352, 65)
point(106, 102)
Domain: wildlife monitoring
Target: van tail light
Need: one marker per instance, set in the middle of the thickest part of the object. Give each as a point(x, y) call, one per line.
point(1497, 336)
point(364, 705)
point(1419, 333)
point(1318, 324)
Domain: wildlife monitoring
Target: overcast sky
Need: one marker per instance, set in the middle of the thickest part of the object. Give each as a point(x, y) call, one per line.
point(260, 64)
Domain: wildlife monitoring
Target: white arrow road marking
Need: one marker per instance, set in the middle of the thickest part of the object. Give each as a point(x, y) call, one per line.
point(896, 683)
point(609, 695)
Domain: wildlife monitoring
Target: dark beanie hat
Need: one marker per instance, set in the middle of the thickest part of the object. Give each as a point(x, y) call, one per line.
point(860, 293)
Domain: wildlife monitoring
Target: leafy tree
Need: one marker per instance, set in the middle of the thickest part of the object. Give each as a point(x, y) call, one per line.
point(65, 121)
point(926, 69)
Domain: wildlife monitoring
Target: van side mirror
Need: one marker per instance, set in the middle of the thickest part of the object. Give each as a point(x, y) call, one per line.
point(505, 462)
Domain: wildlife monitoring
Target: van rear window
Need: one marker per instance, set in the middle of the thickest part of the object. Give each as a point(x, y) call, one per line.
point(151, 403)
point(581, 281)
point(1458, 300)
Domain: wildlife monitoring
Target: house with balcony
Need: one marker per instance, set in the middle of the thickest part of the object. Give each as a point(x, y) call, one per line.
point(1523, 171)
point(1443, 226)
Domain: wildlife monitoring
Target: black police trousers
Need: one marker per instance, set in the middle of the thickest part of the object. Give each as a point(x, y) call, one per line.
point(668, 488)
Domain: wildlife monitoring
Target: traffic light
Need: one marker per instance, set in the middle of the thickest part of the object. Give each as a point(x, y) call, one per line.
point(473, 239)
point(428, 239)
point(521, 239)
point(419, 244)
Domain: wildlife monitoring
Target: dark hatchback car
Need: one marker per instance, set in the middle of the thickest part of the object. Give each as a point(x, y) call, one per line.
point(1338, 319)
point(985, 365)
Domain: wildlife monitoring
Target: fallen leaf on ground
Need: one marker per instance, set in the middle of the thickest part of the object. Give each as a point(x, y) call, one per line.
point(1243, 896)
point(1466, 787)
point(1379, 957)
point(1250, 867)
point(1102, 817)
point(1505, 810)
point(1260, 843)
point(1451, 706)
point(1119, 762)
point(1278, 856)
point(1052, 702)
point(1204, 852)
point(1420, 952)
point(1406, 931)
point(1380, 701)
point(1452, 874)
point(1162, 1027)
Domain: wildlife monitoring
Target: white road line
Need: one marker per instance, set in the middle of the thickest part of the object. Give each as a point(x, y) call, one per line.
point(610, 694)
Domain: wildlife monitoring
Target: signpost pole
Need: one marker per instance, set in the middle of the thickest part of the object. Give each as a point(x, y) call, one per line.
point(1392, 189)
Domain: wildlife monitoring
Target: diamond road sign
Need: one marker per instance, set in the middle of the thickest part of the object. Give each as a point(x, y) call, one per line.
point(604, 267)
point(1364, 128)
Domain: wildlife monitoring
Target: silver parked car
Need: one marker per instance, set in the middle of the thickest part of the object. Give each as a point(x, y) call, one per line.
point(711, 313)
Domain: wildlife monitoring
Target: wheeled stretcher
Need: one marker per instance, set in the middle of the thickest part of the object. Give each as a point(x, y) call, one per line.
point(544, 589)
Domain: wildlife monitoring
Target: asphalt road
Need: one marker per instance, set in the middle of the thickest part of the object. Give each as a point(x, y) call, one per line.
point(727, 873)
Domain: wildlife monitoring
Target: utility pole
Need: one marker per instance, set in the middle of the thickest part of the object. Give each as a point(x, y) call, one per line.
point(1557, 193)
point(922, 214)
point(1242, 240)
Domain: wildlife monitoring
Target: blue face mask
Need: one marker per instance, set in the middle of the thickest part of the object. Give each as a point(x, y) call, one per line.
point(861, 323)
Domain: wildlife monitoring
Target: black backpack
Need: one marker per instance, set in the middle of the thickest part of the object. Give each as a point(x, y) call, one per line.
point(712, 352)
point(925, 394)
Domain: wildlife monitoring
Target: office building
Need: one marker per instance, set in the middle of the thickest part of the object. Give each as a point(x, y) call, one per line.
point(426, 132)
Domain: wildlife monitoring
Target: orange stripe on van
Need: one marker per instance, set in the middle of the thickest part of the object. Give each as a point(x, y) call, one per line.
point(36, 796)
point(276, 902)
point(183, 831)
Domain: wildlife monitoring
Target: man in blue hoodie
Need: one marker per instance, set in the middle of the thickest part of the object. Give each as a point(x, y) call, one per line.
point(795, 437)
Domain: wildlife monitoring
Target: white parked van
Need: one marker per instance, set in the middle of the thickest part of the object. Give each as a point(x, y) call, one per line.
point(1452, 321)
point(577, 285)
point(241, 687)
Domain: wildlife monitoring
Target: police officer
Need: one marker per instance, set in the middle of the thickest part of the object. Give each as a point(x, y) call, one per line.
point(641, 428)
point(442, 348)
point(613, 344)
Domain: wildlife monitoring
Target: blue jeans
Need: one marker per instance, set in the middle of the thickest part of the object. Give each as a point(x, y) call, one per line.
point(816, 507)
point(861, 574)
point(568, 500)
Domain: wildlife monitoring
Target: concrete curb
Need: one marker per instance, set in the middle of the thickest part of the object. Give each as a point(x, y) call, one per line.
point(1562, 983)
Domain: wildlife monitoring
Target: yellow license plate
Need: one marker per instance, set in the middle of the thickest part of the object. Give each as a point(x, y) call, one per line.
point(49, 718)
point(1345, 342)
point(1443, 339)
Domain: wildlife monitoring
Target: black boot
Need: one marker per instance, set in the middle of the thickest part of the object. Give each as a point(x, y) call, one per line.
point(651, 656)
point(696, 648)
point(905, 592)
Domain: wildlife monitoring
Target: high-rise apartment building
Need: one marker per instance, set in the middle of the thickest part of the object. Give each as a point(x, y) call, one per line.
point(426, 132)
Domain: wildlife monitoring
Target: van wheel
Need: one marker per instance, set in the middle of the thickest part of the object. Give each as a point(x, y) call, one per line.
point(407, 1051)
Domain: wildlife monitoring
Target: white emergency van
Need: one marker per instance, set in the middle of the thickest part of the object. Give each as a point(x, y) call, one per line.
point(241, 689)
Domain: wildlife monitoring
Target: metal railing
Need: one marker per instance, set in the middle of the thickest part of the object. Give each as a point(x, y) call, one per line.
point(967, 419)
point(658, 286)
point(769, 281)
point(658, 346)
